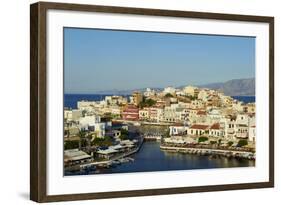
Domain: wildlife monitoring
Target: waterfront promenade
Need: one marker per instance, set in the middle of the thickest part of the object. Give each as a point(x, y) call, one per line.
point(211, 151)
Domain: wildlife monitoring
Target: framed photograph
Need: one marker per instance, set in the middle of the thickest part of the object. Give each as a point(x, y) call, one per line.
point(135, 102)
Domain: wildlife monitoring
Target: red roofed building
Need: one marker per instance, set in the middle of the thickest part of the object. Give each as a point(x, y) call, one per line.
point(215, 130)
point(198, 129)
point(215, 126)
point(201, 112)
point(131, 112)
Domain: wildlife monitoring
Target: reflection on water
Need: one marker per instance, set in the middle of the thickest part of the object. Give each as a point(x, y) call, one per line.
point(152, 158)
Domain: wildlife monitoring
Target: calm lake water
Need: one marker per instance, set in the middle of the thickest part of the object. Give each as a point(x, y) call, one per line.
point(151, 158)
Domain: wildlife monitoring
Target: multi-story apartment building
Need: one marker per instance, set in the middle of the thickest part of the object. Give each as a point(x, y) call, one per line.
point(92, 123)
point(131, 112)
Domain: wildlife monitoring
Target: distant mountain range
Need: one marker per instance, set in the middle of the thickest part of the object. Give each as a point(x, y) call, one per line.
point(235, 87)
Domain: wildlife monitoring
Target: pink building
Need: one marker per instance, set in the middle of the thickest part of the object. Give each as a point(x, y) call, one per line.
point(131, 112)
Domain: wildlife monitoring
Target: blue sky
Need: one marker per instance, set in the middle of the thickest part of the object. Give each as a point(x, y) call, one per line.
point(98, 60)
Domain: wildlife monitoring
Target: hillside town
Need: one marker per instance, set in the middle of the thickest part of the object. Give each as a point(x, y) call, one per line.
point(107, 131)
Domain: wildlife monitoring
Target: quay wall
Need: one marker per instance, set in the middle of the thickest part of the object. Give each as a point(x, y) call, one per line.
point(208, 151)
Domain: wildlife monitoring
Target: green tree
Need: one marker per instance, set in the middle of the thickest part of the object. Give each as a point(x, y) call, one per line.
point(147, 103)
point(202, 139)
point(71, 144)
point(150, 102)
point(169, 95)
point(124, 134)
point(124, 131)
point(242, 143)
point(123, 137)
point(213, 142)
point(230, 143)
point(105, 141)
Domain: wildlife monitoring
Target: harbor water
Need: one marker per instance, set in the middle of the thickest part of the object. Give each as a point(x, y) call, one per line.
point(151, 158)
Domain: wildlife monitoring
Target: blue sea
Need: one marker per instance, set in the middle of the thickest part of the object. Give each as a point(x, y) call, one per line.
point(70, 100)
point(245, 99)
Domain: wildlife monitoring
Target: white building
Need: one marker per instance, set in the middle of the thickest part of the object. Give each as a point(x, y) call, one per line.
point(170, 90)
point(72, 115)
point(160, 114)
point(190, 90)
point(115, 100)
point(178, 129)
point(175, 113)
point(82, 105)
point(214, 115)
point(149, 92)
point(144, 114)
point(226, 100)
point(67, 114)
point(242, 126)
point(237, 127)
point(203, 95)
point(170, 114)
point(180, 93)
point(197, 104)
point(229, 124)
point(198, 130)
point(252, 134)
point(238, 106)
point(92, 123)
point(156, 114)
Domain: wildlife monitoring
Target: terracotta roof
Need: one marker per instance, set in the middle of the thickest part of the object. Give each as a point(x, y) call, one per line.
point(198, 126)
point(201, 112)
point(177, 124)
point(215, 126)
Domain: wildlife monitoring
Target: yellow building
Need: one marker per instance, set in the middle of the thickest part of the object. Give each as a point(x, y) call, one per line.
point(137, 98)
